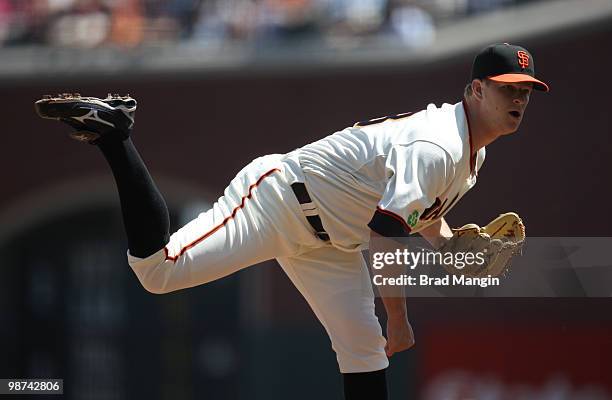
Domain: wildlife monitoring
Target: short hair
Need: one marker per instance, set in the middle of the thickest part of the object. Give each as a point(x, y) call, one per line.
point(468, 88)
point(467, 92)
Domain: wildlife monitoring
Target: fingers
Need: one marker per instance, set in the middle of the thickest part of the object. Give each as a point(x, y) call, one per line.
point(393, 348)
point(399, 337)
point(389, 349)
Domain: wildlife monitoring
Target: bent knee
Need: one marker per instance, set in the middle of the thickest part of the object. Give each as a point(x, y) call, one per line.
point(152, 272)
point(153, 286)
point(155, 279)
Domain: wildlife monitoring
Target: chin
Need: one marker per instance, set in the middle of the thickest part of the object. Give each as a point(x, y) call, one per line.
point(513, 127)
point(510, 131)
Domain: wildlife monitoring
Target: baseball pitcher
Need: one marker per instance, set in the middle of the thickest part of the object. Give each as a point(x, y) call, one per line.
point(315, 208)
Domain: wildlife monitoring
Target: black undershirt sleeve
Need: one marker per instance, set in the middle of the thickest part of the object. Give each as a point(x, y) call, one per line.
point(388, 224)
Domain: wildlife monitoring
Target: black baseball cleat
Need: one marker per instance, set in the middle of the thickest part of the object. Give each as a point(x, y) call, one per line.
point(93, 118)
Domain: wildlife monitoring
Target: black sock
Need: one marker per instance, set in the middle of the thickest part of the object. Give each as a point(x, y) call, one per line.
point(365, 385)
point(145, 214)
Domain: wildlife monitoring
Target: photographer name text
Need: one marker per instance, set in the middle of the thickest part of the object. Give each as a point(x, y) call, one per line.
point(425, 280)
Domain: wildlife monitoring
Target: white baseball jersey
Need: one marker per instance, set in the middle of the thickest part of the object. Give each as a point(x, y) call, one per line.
point(395, 175)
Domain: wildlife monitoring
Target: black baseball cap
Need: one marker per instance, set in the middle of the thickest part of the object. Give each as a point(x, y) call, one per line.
point(504, 62)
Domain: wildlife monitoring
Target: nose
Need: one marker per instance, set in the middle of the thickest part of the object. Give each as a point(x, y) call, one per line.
point(521, 98)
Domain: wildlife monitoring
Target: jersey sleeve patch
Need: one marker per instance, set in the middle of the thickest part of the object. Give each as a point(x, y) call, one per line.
point(388, 224)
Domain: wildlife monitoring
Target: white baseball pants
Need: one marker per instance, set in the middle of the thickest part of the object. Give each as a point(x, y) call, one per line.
point(259, 218)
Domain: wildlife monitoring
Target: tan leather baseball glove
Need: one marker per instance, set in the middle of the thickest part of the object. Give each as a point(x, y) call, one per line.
point(497, 243)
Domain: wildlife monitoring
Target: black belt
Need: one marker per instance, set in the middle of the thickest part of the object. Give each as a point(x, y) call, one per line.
point(310, 210)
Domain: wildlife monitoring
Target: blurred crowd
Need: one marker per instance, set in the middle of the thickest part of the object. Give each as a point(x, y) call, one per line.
point(130, 23)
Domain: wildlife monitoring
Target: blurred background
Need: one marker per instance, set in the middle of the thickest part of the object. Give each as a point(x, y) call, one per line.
point(222, 82)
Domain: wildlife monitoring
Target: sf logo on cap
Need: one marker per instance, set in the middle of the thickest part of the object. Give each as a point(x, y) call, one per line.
point(523, 59)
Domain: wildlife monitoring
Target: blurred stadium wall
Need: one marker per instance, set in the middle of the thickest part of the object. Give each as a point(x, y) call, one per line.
point(215, 93)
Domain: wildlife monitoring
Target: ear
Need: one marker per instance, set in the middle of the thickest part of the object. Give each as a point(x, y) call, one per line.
point(477, 86)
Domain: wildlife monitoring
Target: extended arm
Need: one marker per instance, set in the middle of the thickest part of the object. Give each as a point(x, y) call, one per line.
point(399, 332)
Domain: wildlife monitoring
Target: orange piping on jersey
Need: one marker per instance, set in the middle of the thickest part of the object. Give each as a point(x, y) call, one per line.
point(395, 216)
point(216, 228)
point(450, 204)
point(467, 118)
